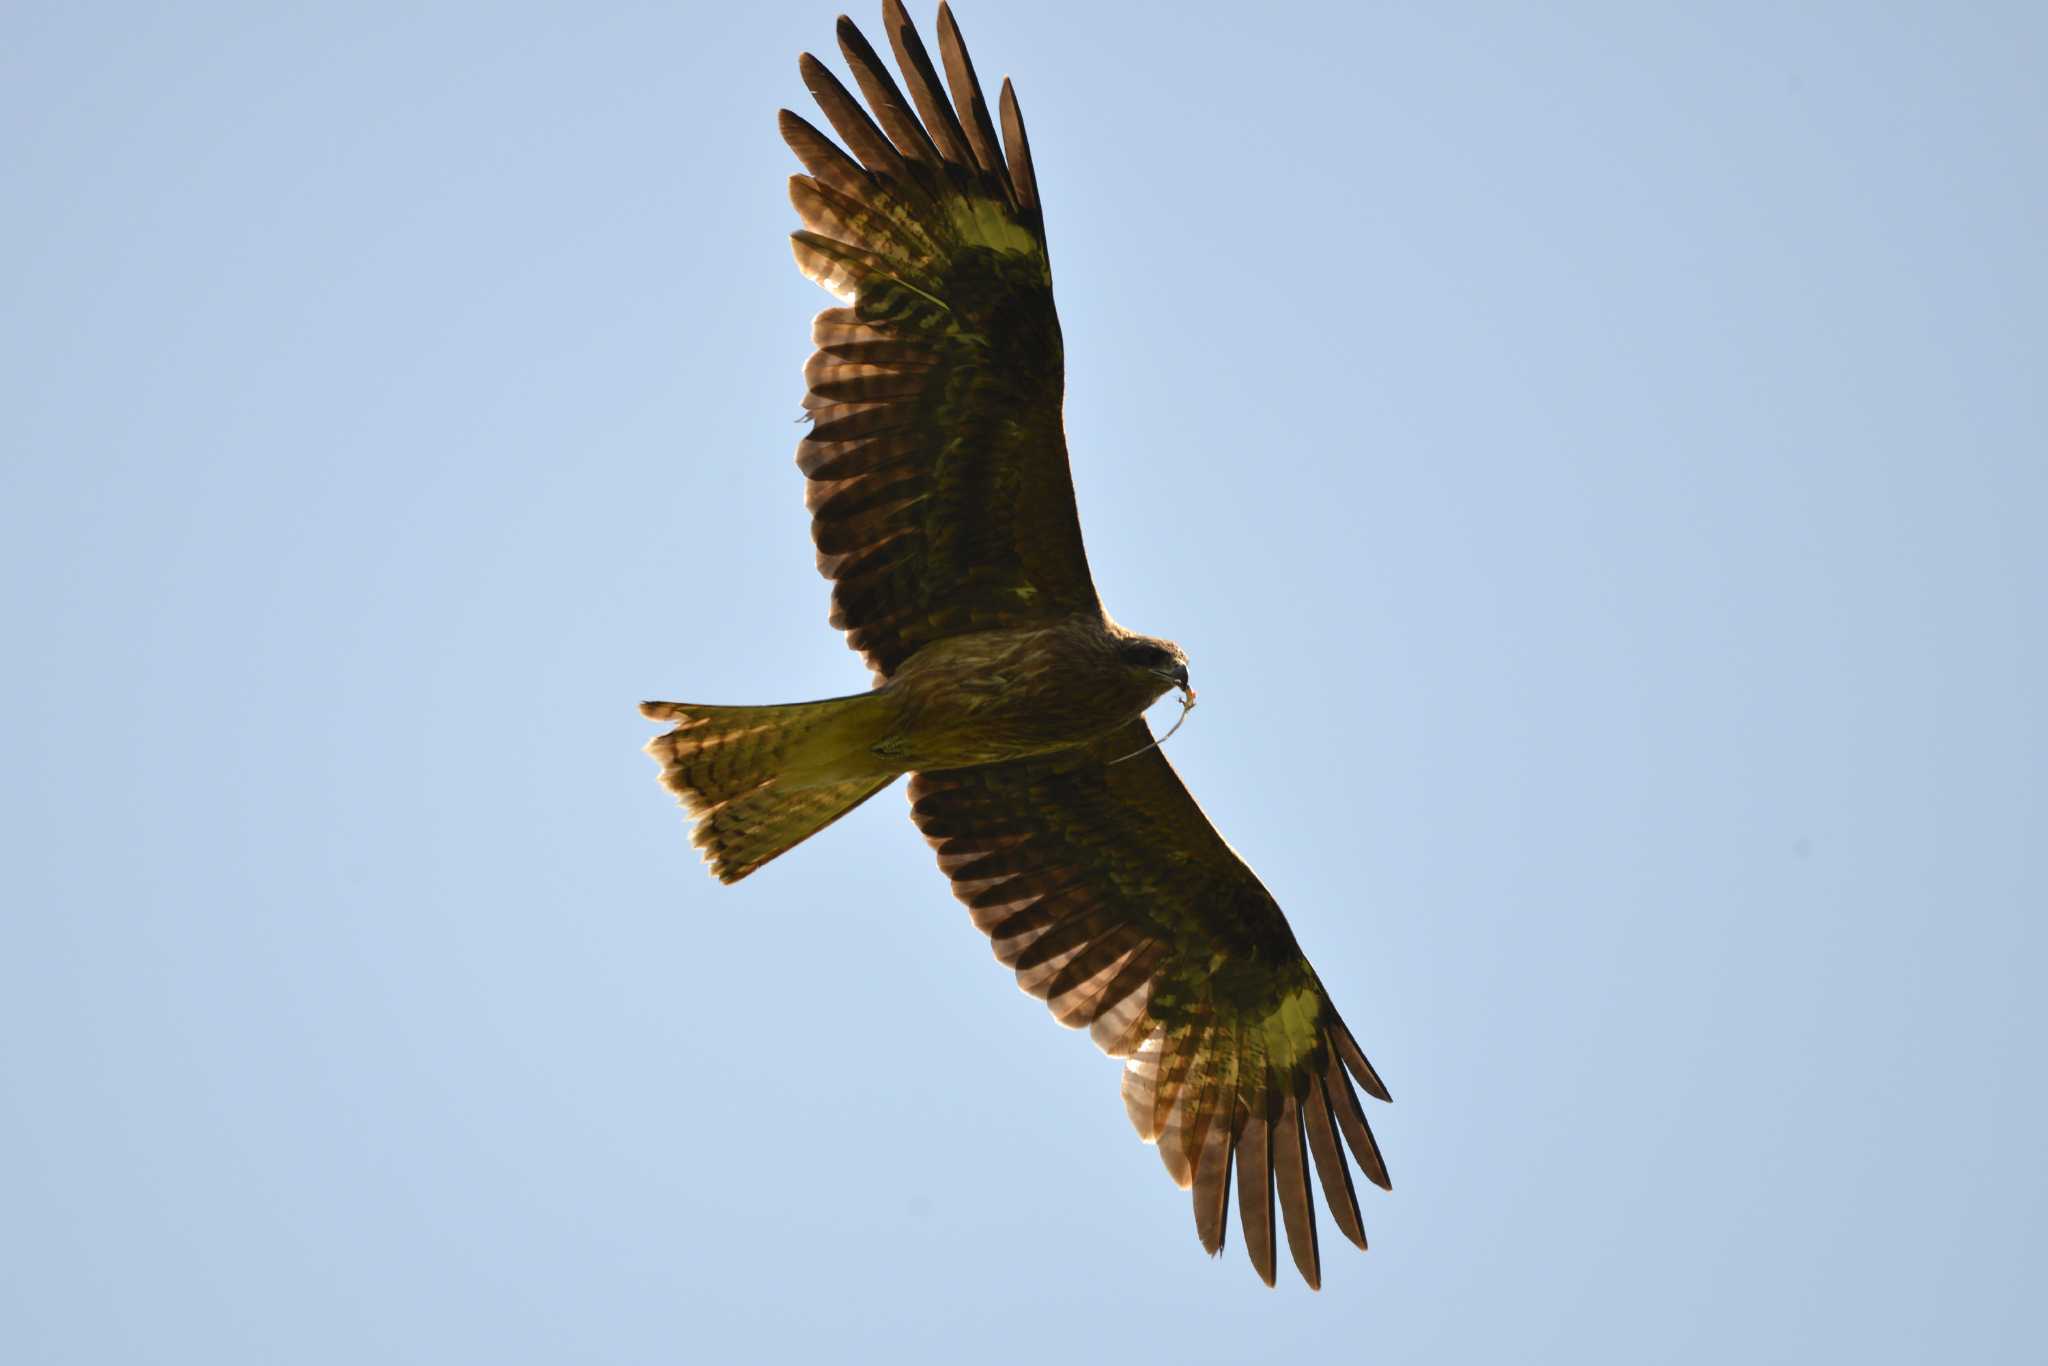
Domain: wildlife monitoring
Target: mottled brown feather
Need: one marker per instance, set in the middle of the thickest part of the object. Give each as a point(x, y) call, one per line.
point(1212, 1186)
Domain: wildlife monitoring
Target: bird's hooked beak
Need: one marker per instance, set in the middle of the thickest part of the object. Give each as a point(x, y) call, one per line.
point(1177, 675)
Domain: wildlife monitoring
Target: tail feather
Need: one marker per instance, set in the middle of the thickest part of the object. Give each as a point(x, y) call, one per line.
point(747, 831)
point(760, 780)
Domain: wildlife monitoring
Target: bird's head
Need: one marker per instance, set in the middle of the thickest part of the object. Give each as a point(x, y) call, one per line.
point(1164, 662)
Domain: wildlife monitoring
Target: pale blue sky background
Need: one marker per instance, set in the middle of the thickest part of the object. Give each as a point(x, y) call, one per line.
point(1594, 458)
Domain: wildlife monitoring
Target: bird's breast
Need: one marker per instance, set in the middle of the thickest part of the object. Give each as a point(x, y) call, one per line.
point(993, 696)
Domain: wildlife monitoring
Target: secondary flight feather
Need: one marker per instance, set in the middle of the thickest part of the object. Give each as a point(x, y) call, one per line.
point(943, 512)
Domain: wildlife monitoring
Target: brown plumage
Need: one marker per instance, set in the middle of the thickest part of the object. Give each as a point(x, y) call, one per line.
point(943, 512)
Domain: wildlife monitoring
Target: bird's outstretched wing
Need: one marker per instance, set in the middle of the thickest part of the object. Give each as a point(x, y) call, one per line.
point(1119, 905)
point(939, 490)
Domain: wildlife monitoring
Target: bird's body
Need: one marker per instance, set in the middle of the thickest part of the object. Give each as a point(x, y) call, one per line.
point(991, 696)
point(981, 697)
point(944, 513)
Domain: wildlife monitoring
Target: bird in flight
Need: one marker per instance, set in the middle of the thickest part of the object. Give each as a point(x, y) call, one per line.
point(943, 512)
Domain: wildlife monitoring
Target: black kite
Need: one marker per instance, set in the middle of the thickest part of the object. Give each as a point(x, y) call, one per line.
point(943, 513)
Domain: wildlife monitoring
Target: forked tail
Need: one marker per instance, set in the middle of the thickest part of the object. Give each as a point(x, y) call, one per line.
point(760, 780)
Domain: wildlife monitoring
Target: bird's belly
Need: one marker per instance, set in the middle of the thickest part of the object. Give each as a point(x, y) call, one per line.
point(988, 712)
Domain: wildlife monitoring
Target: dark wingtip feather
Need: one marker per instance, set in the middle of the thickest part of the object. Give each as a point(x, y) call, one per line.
point(925, 87)
point(1338, 1192)
point(1354, 1059)
point(884, 96)
point(1017, 152)
point(1255, 1193)
point(970, 103)
point(850, 121)
point(1290, 1177)
point(1357, 1132)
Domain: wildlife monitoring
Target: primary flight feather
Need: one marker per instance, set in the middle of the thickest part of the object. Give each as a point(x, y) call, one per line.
point(943, 512)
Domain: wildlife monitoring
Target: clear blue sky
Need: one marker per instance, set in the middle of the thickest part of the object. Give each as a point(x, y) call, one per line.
point(1592, 453)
